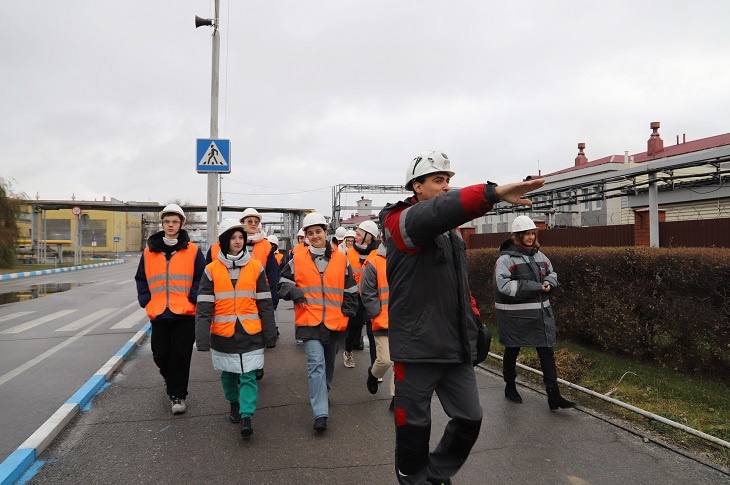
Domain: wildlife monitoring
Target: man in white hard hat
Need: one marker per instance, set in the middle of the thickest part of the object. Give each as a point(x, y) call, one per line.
point(167, 280)
point(432, 329)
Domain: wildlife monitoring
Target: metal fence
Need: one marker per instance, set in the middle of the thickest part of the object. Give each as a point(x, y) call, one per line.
point(697, 233)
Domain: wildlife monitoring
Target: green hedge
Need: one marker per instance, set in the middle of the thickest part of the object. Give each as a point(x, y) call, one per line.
point(669, 306)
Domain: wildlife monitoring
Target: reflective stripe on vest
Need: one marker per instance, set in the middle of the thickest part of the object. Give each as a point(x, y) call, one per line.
point(522, 306)
point(355, 264)
point(324, 293)
point(380, 322)
point(170, 281)
point(237, 303)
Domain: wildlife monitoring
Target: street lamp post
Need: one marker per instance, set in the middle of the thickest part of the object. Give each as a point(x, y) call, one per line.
point(212, 200)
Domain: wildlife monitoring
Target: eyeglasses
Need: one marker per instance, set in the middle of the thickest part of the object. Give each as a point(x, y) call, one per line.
point(170, 222)
point(252, 221)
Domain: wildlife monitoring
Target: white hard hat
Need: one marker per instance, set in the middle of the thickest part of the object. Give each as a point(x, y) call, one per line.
point(522, 223)
point(340, 233)
point(228, 224)
point(314, 219)
point(430, 161)
point(250, 212)
point(273, 240)
point(350, 233)
point(370, 227)
point(301, 233)
point(173, 209)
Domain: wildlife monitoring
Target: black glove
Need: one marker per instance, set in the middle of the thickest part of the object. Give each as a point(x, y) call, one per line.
point(300, 299)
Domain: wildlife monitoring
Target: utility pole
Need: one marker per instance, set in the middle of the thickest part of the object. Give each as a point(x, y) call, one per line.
point(213, 198)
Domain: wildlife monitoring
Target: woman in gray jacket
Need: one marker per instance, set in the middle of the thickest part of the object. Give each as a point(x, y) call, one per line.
point(523, 279)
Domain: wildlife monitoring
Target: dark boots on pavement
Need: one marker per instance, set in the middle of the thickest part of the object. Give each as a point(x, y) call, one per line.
point(510, 392)
point(235, 416)
point(372, 382)
point(555, 400)
point(246, 428)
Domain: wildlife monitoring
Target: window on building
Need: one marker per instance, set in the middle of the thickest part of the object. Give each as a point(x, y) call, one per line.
point(93, 231)
point(58, 229)
point(586, 203)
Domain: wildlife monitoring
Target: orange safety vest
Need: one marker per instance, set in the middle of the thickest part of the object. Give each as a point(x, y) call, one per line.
point(380, 322)
point(299, 248)
point(215, 249)
point(278, 257)
point(170, 281)
point(235, 304)
point(324, 293)
point(354, 258)
point(260, 250)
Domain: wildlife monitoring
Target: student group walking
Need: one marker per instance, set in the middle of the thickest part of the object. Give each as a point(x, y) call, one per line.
point(401, 278)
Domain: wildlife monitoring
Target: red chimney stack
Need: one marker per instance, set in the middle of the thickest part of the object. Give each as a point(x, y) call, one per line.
point(655, 143)
point(581, 159)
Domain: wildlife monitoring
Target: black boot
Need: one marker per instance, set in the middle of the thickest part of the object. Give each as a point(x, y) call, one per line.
point(246, 428)
point(555, 400)
point(372, 383)
point(235, 416)
point(510, 392)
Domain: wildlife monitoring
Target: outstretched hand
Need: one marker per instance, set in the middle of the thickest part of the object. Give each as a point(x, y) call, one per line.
point(513, 192)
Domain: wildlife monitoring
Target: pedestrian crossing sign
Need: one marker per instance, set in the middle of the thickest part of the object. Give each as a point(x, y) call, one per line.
point(213, 156)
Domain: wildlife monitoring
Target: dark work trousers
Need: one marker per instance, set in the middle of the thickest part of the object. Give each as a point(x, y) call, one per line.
point(354, 327)
point(547, 365)
point(172, 349)
point(456, 388)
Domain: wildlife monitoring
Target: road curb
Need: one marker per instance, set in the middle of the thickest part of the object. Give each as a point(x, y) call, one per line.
point(27, 453)
point(12, 276)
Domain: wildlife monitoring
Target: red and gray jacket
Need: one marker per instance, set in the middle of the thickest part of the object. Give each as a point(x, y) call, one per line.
point(430, 315)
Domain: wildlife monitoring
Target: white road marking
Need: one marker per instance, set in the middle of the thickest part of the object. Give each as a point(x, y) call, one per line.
point(125, 281)
point(38, 321)
point(82, 322)
point(22, 368)
point(13, 315)
point(131, 320)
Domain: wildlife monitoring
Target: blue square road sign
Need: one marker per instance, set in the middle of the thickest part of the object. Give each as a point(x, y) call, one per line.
point(213, 155)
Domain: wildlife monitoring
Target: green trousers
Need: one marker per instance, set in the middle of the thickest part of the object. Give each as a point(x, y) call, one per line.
point(243, 389)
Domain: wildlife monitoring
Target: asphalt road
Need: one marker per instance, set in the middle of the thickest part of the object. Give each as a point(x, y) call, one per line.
point(129, 436)
point(51, 345)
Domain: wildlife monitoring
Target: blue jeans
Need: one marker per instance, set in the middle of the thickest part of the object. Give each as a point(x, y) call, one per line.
point(320, 371)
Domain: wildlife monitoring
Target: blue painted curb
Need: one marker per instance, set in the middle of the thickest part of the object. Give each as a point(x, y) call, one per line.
point(22, 458)
point(12, 276)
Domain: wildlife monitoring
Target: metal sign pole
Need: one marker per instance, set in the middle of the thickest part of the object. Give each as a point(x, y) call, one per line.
point(212, 202)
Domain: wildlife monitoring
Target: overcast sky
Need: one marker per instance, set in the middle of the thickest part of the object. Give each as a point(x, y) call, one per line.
point(107, 98)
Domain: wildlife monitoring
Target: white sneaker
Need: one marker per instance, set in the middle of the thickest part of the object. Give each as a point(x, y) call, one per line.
point(178, 405)
point(349, 359)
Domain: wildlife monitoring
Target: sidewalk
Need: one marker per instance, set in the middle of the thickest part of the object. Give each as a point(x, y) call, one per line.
point(129, 435)
point(24, 274)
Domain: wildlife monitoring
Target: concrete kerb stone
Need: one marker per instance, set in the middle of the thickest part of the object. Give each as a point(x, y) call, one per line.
point(26, 454)
point(12, 276)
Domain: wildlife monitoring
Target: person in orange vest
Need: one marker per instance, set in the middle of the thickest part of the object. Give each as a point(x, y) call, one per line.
point(260, 249)
point(320, 283)
point(235, 321)
point(374, 292)
point(365, 242)
point(275, 248)
point(167, 280)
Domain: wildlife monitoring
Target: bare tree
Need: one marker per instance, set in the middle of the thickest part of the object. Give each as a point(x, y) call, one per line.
point(9, 213)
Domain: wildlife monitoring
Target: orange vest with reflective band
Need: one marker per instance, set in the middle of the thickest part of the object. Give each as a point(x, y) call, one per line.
point(170, 281)
point(324, 293)
point(278, 257)
point(380, 322)
point(235, 304)
point(260, 250)
point(354, 258)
